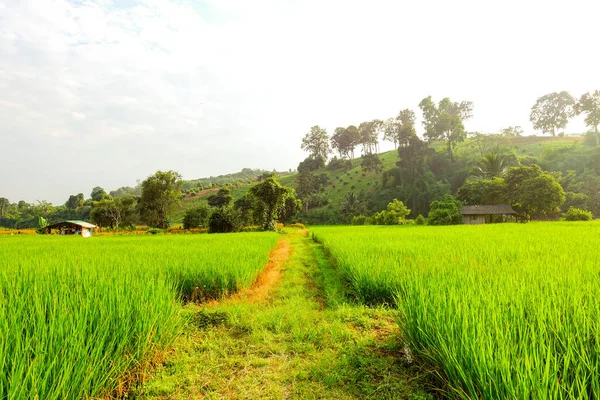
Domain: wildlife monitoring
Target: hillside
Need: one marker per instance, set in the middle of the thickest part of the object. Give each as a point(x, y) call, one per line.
point(558, 154)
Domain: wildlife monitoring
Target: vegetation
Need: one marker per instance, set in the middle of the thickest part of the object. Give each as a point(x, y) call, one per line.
point(78, 316)
point(478, 304)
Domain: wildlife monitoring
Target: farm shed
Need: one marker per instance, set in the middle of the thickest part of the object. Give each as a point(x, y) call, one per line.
point(482, 214)
point(81, 228)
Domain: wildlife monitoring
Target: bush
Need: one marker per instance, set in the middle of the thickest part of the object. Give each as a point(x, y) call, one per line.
point(154, 231)
point(445, 212)
point(336, 163)
point(311, 164)
point(577, 214)
point(195, 217)
point(223, 220)
point(420, 220)
point(359, 220)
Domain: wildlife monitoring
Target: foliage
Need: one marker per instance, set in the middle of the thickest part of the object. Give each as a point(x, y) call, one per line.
point(532, 191)
point(272, 196)
point(311, 164)
point(481, 192)
point(492, 165)
point(552, 112)
point(223, 198)
point(589, 104)
point(512, 131)
point(359, 220)
point(224, 220)
point(196, 217)
point(445, 212)
point(154, 231)
point(445, 121)
point(345, 140)
point(160, 195)
point(352, 206)
point(99, 194)
point(290, 209)
point(420, 220)
point(316, 142)
point(577, 214)
point(371, 164)
point(113, 213)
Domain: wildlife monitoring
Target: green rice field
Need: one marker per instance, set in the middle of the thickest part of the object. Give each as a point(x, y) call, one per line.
point(78, 317)
point(507, 311)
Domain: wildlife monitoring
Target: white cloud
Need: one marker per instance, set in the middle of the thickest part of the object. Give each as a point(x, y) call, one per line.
point(209, 87)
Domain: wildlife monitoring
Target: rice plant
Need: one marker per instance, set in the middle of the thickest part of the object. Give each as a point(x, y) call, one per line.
point(498, 311)
point(77, 316)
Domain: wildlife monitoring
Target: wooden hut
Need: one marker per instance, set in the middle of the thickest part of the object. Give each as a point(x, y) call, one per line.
point(482, 214)
point(75, 227)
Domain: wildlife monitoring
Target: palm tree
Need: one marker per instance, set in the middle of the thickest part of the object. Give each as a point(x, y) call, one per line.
point(492, 165)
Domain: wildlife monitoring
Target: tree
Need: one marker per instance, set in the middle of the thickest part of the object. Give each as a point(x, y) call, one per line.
point(512, 131)
point(445, 212)
point(533, 191)
point(552, 112)
point(224, 220)
point(492, 165)
point(352, 206)
point(272, 196)
point(316, 142)
point(445, 121)
point(160, 194)
point(221, 199)
point(99, 194)
point(290, 208)
point(4, 204)
point(589, 104)
point(75, 202)
point(482, 192)
point(369, 135)
point(196, 217)
point(406, 126)
point(114, 212)
point(371, 164)
point(390, 131)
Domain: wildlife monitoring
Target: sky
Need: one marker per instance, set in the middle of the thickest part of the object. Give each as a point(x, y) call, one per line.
point(103, 93)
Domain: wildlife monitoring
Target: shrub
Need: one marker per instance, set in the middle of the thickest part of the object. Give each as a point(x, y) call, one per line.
point(445, 212)
point(223, 220)
point(359, 220)
point(336, 163)
point(577, 214)
point(420, 220)
point(154, 231)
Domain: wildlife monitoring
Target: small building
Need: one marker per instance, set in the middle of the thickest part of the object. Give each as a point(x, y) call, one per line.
point(482, 214)
point(75, 227)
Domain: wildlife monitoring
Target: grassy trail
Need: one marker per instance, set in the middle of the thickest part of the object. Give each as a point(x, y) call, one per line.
point(294, 335)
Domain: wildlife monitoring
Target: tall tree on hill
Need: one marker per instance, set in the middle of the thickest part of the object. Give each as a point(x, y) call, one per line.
point(589, 104)
point(406, 126)
point(160, 195)
point(316, 142)
point(353, 136)
point(445, 121)
point(341, 142)
point(369, 132)
point(390, 131)
point(552, 112)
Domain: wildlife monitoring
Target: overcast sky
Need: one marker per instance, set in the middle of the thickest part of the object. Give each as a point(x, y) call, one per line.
point(106, 92)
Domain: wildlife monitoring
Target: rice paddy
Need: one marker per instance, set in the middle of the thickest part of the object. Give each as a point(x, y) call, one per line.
point(497, 311)
point(78, 318)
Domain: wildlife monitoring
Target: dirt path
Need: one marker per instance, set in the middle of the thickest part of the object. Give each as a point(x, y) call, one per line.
point(293, 335)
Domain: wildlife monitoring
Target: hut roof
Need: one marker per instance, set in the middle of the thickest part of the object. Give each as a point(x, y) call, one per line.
point(83, 224)
point(496, 209)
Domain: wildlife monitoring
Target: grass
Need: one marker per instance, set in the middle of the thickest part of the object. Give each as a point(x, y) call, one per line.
point(303, 340)
point(498, 311)
point(85, 318)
